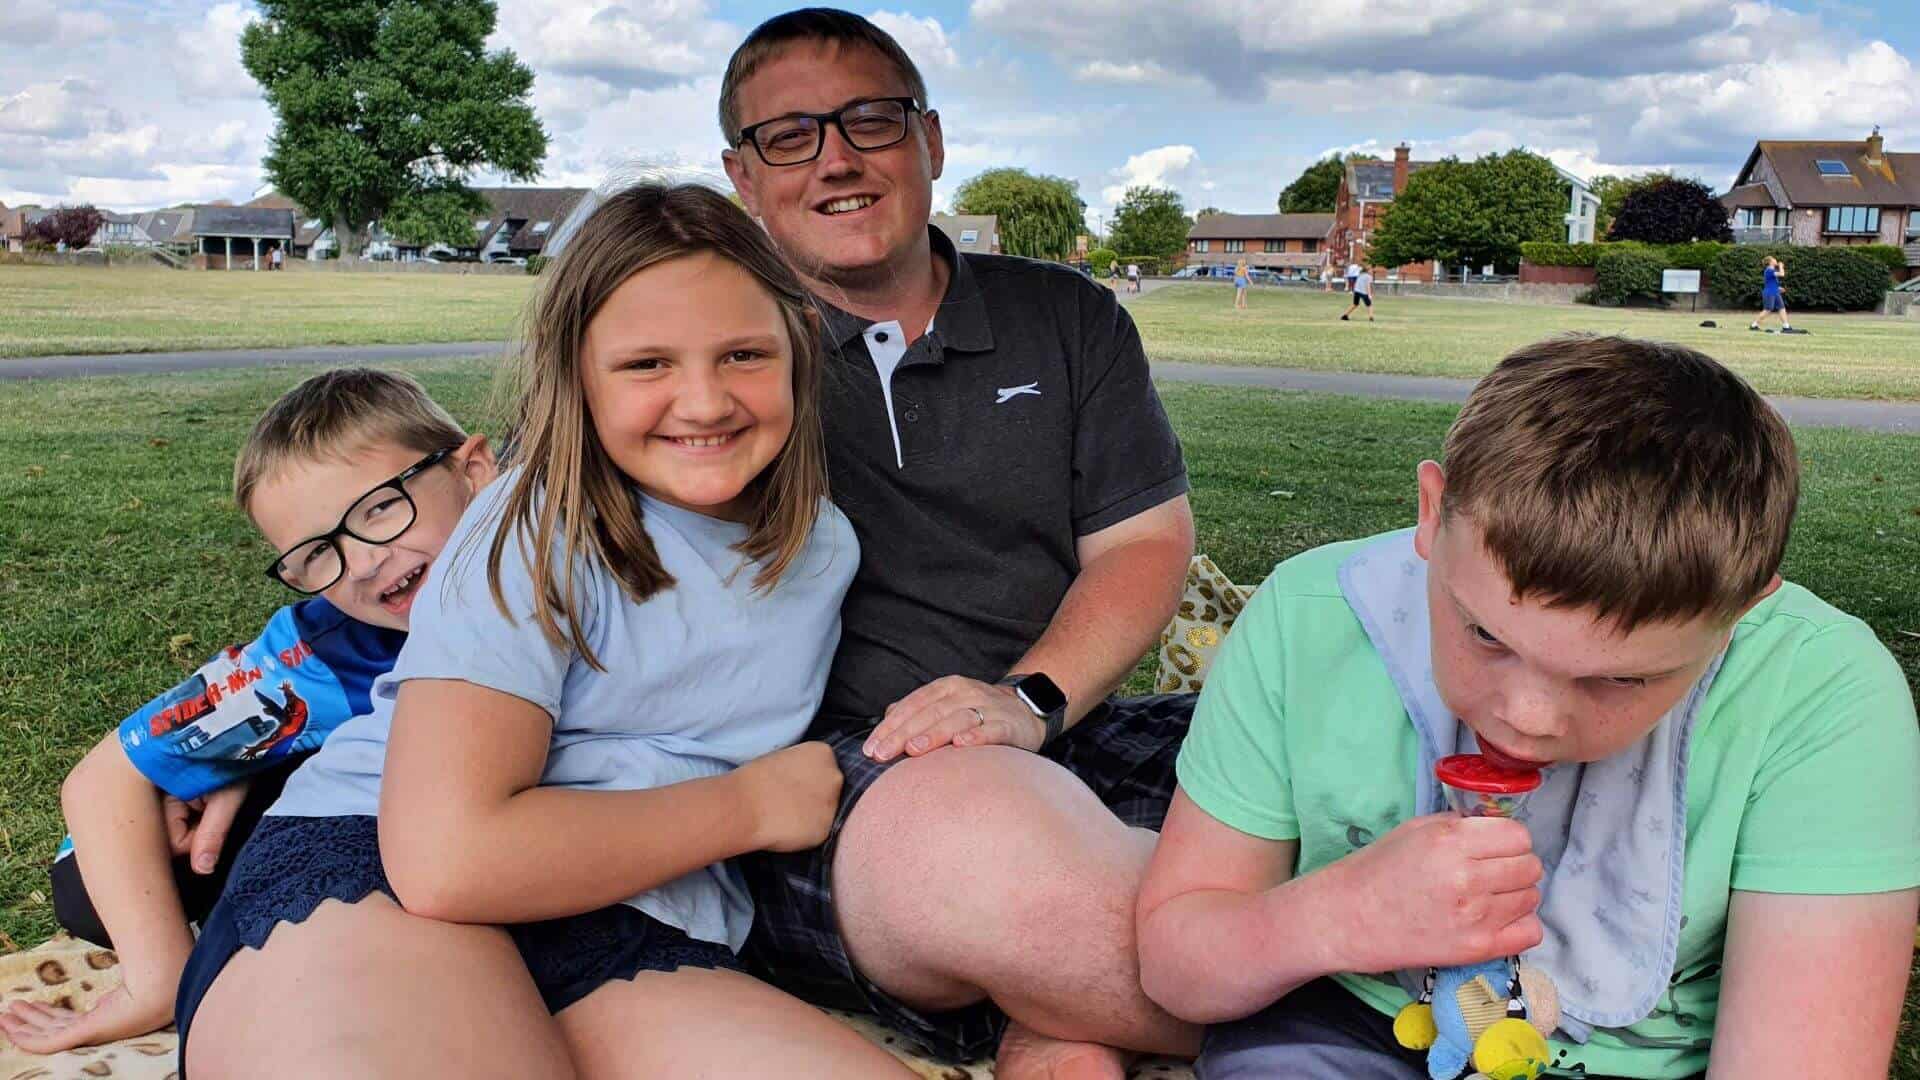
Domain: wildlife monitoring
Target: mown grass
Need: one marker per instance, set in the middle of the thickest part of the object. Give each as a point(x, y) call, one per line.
point(1843, 356)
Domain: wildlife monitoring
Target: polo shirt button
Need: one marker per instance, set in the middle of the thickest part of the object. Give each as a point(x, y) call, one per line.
point(881, 337)
point(912, 415)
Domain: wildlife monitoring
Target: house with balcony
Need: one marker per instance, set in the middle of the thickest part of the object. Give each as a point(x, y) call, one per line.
point(1814, 193)
point(1291, 245)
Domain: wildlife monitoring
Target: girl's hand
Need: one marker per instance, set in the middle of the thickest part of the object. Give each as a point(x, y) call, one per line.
point(121, 1014)
point(792, 796)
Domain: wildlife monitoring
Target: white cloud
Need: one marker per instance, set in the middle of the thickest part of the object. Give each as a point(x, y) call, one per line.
point(1163, 166)
point(26, 23)
point(643, 44)
point(53, 110)
point(924, 39)
point(206, 58)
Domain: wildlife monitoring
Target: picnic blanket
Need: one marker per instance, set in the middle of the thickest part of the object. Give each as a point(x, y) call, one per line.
point(73, 973)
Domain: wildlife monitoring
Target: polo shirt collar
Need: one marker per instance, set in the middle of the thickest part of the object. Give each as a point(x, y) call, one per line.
point(961, 323)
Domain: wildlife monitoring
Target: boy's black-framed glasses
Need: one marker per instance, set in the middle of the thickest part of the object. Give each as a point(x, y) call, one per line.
point(378, 517)
point(797, 138)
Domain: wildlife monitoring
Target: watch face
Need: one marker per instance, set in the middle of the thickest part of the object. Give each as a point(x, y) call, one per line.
point(1045, 698)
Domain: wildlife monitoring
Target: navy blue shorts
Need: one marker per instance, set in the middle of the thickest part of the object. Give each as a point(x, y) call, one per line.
point(1772, 302)
point(292, 864)
point(1125, 754)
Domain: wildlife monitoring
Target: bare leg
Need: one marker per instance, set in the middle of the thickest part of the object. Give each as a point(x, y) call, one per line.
point(992, 872)
point(696, 1023)
point(367, 990)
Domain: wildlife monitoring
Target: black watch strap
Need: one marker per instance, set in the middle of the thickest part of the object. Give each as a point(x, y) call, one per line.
point(1043, 698)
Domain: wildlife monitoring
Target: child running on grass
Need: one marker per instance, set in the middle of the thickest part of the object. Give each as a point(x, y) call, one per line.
point(1772, 294)
point(1718, 870)
point(371, 451)
point(1362, 294)
point(516, 864)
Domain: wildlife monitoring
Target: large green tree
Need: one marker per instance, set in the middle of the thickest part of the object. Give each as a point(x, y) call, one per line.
point(1040, 216)
point(1473, 213)
point(1315, 190)
point(386, 108)
point(1149, 221)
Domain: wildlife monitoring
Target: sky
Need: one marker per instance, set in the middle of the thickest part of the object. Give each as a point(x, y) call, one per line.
point(133, 106)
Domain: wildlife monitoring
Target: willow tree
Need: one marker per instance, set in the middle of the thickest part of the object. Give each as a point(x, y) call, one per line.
point(1041, 217)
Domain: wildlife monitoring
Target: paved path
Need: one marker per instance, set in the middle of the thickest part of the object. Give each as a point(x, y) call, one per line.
point(1902, 417)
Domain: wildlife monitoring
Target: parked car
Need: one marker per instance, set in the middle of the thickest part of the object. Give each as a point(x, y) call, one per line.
point(1262, 276)
point(1190, 272)
point(506, 260)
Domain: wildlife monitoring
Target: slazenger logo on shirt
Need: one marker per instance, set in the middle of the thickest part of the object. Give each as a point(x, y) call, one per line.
point(1008, 393)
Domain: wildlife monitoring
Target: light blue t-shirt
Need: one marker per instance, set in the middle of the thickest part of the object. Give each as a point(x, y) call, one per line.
point(703, 676)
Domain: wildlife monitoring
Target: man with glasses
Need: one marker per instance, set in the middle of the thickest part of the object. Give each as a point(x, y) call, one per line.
point(1020, 497)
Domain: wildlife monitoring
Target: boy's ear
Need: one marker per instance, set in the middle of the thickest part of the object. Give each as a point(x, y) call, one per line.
point(1433, 487)
point(476, 462)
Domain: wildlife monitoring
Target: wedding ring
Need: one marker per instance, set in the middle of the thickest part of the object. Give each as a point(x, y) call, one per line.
point(979, 718)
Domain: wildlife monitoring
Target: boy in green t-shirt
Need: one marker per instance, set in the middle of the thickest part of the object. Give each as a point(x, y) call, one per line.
point(1720, 866)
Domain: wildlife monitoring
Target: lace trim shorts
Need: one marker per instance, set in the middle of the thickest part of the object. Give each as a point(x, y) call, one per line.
point(292, 864)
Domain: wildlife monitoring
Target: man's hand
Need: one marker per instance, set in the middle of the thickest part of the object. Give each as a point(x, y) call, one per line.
point(120, 1014)
point(954, 711)
point(199, 827)
point(1443, 890)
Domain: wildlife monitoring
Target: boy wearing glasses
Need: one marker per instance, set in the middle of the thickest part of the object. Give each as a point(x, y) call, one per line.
point(356, 477)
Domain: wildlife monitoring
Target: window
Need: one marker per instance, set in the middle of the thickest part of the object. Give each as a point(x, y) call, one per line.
point(481, 225)
point(1749, 217)
point(312, 223)
point(969, 236)
point(1829, 167)
point(541, 228)
point(1234, 246)
point(1913, 223)
point(1309, 247)
point(1200, 245)
point(1276, 245)
point(1853, 219)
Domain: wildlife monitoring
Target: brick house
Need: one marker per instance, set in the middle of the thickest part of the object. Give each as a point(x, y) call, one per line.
point(1293, 245)
point(13, 227)
point(1367, 188)
point(1813, 193)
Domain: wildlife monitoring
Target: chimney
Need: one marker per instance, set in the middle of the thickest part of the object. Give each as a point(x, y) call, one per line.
point(1874, 145)
point(1400, 155)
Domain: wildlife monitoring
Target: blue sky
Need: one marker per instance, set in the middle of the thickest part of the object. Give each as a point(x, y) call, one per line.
point(135, 105)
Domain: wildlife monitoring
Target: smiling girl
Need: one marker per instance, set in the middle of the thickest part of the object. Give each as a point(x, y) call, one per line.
point(624, 637)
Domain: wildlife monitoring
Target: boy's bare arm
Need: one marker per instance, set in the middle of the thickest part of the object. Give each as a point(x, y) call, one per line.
point(120, 837)
point(1812, 985)
point(1226, 929)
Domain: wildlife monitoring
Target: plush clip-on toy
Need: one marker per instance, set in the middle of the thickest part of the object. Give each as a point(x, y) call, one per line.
point(1495, 1015)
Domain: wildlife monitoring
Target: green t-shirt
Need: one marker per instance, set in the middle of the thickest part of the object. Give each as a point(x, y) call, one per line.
point(1803, 776)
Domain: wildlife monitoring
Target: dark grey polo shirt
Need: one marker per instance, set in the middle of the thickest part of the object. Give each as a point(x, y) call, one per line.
point(1025, 419)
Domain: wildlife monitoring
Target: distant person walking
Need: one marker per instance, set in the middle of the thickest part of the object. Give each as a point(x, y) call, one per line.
point(1240, 283)
point(1362, 293)
point(1113, 272)
point(1353, 275)
point(1772, 300)
point(1133, 277)
point(278, 260)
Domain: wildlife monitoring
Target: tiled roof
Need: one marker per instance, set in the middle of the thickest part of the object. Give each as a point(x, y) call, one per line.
point(1895, 181)
point(1261, 227)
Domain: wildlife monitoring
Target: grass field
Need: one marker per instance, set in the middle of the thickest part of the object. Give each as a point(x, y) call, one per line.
point(79, 310)
point(1850, 356)
point(52, 310)
point(123, 562)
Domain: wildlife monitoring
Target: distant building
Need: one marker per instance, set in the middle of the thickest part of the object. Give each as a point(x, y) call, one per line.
point(1814, 193)
point(1367, 188)
point(976, 233)
point(237, 237)
point(1294, 245)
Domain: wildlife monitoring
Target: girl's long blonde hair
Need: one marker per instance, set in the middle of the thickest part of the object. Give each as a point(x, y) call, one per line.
point(570, 499)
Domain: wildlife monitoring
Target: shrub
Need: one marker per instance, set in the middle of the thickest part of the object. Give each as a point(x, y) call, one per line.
point(1891, 256)
point(1556, 253)
point(1623, 275)
point(1699, 255)
point(1825, 278)
point(1100, 258)
point(536, 263)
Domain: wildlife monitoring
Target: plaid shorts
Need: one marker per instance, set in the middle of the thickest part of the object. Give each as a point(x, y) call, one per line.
point(1124, 752)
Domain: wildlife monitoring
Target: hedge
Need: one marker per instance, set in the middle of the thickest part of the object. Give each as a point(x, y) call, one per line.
point(1698, 255)
point(1100, 258)
point(1149, 264)
point(1627, 274)
point(1893, 257)
point(1826, 278)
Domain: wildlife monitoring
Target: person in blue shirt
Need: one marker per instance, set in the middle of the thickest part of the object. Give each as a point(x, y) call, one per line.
point(519, 862)
point(371, 451)
point(1772, 298)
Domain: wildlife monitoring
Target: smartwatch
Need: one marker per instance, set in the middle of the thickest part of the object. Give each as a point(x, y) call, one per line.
point(1039, 694)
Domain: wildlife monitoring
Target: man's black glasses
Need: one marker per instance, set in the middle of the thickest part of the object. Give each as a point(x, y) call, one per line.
point(797, 138)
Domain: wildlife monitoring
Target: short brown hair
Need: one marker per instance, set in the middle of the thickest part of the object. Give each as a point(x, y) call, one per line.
point(808, 24)
point(1638, 479)
point(338, 413)
point(570, 499)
